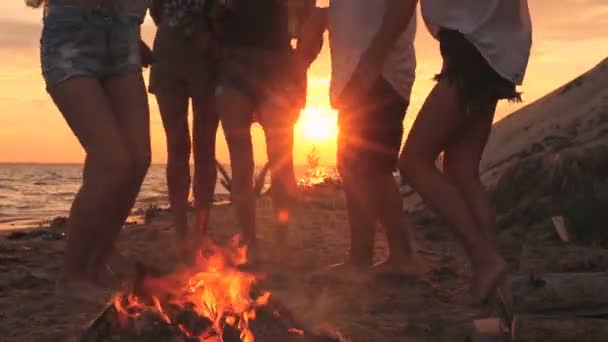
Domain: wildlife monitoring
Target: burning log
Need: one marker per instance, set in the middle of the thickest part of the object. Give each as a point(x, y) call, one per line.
point(272, 323)
point(558, 329)
point(580, 294)
point(211, 301)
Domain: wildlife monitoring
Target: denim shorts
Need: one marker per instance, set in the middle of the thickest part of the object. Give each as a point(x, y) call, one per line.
point(78, 41)
point(463, 65)
point(269, 78)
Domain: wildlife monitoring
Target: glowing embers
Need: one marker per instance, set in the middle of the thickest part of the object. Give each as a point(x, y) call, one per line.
point(210, 301)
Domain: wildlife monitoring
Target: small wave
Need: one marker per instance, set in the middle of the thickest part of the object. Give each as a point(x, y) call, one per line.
point(62, 194)
point(7, 187)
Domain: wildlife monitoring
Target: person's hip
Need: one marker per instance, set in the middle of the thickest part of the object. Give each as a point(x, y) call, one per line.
point(80, 41)
point(263, 74)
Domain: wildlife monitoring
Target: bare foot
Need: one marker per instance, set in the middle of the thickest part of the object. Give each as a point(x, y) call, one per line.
point(84, 289)
point(118, 266)
point(488, 278)
point(411, 266)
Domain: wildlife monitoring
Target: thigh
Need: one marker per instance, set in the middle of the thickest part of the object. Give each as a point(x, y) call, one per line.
point(173, 107)
point(84, 105)
point(278, 126)
point(128, 97)
point(235, 110)
point(440, 120)
point(205, 124)
point(465, 151)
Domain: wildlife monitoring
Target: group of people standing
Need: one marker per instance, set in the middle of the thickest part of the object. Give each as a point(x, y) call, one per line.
point(241, 61)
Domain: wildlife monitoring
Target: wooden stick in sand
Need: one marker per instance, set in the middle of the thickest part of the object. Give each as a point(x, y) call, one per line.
point(576, 294)
point(558, 329)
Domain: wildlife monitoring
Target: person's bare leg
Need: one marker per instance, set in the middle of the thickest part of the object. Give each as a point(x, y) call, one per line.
point(278, 129)
point(383, 196)
point(361, 224)
point(440, 120)
point(173, 106)
point(461, 166)
point(235, 110)
point(129, 100)
point(108, 170)
point(205, 124)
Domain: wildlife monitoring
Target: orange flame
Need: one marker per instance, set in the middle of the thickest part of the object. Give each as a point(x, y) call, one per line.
point(215, 288)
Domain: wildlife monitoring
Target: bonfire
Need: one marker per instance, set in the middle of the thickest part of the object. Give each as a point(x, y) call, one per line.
point(212, 301)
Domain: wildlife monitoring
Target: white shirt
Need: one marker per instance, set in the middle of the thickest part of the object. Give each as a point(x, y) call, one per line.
point(500, 29)
point(352, 26)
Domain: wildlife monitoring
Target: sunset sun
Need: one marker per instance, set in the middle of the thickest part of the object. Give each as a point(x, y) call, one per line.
point(318, 125)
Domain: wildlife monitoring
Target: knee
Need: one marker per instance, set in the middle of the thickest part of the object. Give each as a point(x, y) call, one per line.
point(412, 164)
point(140, 164)
point(179, 148)
point(111, 171)
point(461, 175)
point(123, 169)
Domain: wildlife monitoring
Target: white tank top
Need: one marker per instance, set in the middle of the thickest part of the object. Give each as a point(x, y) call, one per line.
point(352, 26)
point(500, 29)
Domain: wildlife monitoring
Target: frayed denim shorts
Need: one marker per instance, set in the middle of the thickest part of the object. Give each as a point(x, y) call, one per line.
point(79, 41)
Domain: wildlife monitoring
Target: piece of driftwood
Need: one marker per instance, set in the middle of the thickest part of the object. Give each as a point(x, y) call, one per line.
point(580, 294)
point(559, 258)
point(558, 329)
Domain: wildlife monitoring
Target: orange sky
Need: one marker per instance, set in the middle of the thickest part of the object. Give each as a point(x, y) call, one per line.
point(568, 40)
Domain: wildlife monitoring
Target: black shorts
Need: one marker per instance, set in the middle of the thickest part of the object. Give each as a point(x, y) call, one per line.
point(371, 130)
point(479, 84)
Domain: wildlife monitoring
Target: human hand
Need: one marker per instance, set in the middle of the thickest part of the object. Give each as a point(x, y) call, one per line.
point(367, 72)
point(310, 41)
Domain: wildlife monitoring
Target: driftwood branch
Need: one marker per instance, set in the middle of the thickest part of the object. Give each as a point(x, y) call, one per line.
point(562, 329)
point(576, 294)
point(260, 180)
point(225, 180)
point(258, 186)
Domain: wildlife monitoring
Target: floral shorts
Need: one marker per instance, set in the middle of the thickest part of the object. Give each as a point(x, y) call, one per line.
point(79, 41)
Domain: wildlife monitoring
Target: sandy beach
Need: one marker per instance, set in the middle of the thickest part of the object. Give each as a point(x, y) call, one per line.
point(389, 310)
point(570, 122)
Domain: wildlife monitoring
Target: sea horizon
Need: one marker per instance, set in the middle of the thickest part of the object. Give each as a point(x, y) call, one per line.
point(34, 193)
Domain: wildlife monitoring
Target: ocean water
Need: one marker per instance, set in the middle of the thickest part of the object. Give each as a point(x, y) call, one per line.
point(31, 194)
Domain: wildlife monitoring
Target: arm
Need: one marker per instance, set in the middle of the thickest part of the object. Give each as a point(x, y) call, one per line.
point(397, 16)
point(310, 42)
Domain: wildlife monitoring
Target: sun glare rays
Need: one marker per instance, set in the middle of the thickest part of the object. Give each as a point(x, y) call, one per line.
point(318, 125)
